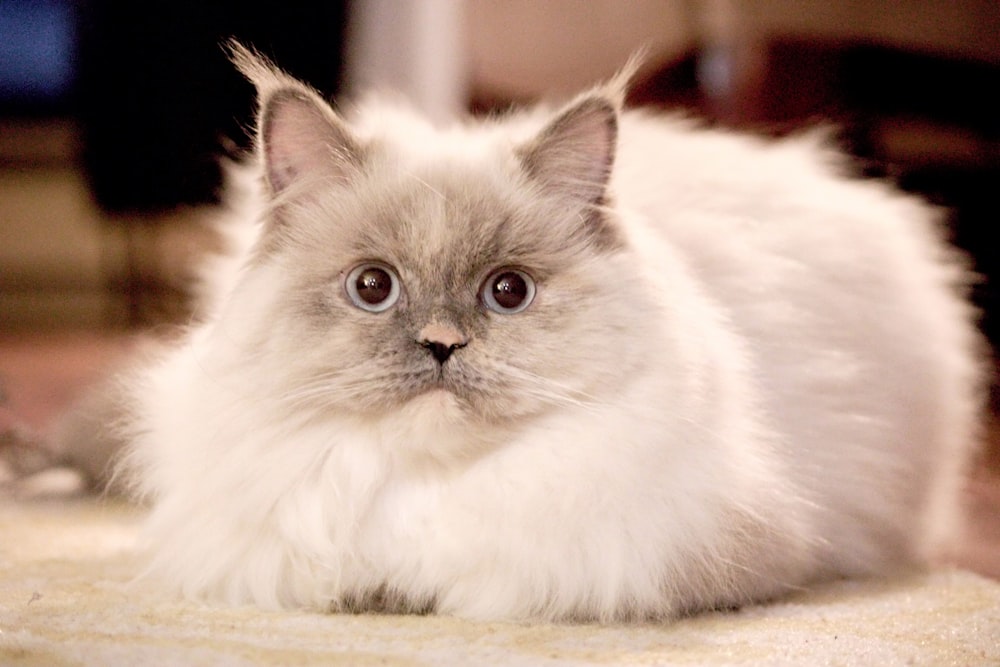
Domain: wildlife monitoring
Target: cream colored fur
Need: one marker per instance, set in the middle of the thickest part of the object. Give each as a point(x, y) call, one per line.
point(742, 372)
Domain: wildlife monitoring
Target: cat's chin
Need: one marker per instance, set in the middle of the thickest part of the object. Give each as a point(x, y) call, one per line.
point(435, 425)
point(437, 401)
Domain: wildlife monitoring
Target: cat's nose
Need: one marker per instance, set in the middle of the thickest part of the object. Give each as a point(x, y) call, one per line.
point(441, 340)
point(439, 351)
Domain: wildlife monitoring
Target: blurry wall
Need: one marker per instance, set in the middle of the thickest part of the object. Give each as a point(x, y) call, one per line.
point(156, 100)
point(524, 49)
point(956, 28)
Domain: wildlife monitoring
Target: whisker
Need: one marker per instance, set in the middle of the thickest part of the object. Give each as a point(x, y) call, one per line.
point(552, 391)
point(426, 185)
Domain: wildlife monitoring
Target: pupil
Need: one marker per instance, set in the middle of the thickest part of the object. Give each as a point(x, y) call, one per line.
point(510, 290)
point(374, 285)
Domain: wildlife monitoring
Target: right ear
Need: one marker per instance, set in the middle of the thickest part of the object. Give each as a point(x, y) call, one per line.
point(299, 136)
point(573, 155)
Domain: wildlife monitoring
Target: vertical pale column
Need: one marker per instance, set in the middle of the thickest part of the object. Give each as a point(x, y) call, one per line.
point(416, 49)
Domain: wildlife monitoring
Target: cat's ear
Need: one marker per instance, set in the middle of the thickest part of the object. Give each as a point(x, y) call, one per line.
point(573, 155)
point(298, 134)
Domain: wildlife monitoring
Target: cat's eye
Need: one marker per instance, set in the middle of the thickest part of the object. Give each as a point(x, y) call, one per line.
point(372, 286)
point(507, 291)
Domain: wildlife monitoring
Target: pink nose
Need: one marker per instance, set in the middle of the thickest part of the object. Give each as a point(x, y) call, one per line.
point(441, 340)
point(441, 333)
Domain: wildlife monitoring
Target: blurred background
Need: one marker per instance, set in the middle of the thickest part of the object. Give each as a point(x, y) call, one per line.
point(114, 114)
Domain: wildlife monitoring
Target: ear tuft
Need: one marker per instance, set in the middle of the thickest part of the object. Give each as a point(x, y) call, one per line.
point(260, 71)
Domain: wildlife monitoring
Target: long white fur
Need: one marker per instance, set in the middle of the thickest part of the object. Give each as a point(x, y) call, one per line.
point(797, 401)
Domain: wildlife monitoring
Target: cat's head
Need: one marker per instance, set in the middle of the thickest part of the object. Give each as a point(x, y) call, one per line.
point(476, 273)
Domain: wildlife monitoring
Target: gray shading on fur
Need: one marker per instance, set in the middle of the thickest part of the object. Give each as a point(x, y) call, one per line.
point(579, 363)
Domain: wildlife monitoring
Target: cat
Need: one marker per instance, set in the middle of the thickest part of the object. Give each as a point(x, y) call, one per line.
point(578, 363)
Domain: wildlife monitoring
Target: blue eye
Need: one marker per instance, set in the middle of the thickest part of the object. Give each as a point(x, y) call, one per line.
point(507, 291)
point(373, 287)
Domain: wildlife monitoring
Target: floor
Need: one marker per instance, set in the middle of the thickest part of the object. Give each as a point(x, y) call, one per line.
point(41, 374)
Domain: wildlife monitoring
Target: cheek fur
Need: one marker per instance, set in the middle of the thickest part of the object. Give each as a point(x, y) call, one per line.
point(558, 351)
point(554, 353)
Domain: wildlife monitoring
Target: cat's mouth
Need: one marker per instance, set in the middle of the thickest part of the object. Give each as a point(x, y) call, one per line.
point(473, 394)
point(449, 380)
point(484, 399)
point(441, 380)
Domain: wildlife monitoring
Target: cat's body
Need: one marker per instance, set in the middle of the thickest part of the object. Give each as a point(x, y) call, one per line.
point(737, 372)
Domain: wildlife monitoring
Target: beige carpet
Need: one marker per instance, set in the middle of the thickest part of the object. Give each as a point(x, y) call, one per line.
point(67, 598)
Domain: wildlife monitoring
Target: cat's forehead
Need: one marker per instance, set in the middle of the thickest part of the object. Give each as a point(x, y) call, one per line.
point(448, 214)
point(454, 213)
point(445, 204)
point(413, 137)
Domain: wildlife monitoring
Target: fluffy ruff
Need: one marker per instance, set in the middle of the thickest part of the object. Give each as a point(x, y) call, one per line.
point(67, 598)
point(741, 373)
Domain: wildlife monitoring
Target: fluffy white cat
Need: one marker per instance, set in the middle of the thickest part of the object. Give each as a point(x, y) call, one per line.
point(575, 364)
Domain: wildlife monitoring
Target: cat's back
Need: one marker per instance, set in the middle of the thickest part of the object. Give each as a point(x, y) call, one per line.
point(762, 221)
point(848, 301)
point(787, 196)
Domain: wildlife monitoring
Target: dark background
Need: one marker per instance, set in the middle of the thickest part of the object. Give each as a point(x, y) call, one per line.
point(150, 85)
point(157, 102)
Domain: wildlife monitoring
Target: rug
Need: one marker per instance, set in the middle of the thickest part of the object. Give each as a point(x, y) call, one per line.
point(67, 597)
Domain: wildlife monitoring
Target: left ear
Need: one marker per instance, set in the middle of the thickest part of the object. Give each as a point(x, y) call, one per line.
point(573, 155)
point(298, 133)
